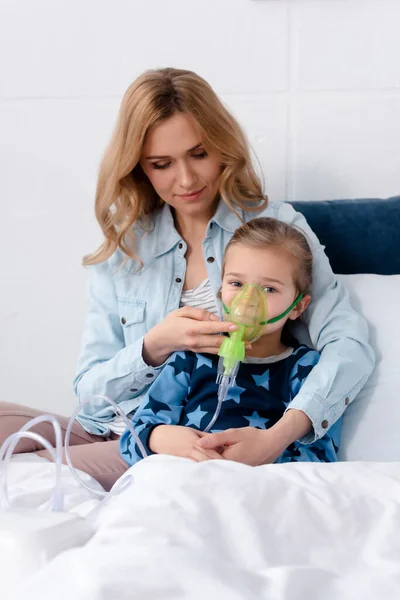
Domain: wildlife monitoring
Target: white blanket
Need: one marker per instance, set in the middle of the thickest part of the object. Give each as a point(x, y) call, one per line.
point(220, 530)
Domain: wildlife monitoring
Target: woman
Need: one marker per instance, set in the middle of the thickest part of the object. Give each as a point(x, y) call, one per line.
point(174, 184)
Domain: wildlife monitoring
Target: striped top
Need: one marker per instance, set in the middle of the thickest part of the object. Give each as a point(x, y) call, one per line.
point(199, 297)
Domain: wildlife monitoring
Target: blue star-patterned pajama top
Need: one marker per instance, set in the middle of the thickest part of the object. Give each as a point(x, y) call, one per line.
point(185, 393)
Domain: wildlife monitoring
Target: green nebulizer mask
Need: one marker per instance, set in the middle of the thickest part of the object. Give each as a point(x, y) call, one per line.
point(249, 311)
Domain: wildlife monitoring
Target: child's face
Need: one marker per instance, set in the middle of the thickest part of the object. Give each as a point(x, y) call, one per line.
point(272, 269)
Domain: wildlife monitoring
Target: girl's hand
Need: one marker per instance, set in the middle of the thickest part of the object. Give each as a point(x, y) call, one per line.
point(187, 328)
point(246, 445)
point(255, 447)
point(177, 440)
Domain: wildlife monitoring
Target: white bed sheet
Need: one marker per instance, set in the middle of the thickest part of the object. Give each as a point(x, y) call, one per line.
point(221, 530)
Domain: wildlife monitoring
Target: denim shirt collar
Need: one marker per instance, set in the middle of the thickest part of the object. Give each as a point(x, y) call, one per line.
point(165, 236)
point(226, 219)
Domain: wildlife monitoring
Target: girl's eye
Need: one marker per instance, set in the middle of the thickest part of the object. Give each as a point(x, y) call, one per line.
point(160, 165)
point(202, 154)
point(270, 290)
point(236, 284)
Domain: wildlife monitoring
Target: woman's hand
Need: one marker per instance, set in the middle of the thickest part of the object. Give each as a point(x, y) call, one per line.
point(187, 328)
point(255, 447)
point(177, 440)
point(246, 445)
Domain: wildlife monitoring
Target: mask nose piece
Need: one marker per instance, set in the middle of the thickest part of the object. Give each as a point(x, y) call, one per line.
point(248, 309)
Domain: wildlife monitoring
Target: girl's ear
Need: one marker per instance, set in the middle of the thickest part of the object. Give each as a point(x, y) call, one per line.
point(300, 307)
point(219, 293)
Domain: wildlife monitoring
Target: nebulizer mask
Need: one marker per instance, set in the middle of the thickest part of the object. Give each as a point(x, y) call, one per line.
point(30, 538)
point(249, 311)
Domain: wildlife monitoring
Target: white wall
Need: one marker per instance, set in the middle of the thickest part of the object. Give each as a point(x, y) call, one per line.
point(316, 84)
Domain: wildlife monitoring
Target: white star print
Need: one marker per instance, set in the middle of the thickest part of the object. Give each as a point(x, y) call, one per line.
point(256, 421)
point(262, 380)
point(234, 393)
point(203, 360)
point(194, 418)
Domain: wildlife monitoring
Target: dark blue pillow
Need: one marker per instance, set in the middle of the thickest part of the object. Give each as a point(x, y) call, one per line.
point(360, 236)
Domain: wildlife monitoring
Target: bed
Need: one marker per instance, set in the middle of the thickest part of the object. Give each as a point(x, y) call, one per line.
point(282, 532)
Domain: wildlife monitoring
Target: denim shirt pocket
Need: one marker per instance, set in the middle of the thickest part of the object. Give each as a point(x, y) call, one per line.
point(132, 316)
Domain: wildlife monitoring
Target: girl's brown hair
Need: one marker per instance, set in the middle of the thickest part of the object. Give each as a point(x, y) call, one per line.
point(124, 196)
point(265, 232)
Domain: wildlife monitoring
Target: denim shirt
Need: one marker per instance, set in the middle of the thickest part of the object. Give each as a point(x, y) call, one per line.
point(125, 302)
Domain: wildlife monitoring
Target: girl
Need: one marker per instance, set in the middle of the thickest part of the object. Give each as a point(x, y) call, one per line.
point(175, 182)
point(180, 404)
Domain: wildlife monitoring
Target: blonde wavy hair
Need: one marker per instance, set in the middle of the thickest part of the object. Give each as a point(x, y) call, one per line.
point(124, 195)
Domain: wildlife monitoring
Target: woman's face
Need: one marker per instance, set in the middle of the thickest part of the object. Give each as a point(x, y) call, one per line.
point(182, 173)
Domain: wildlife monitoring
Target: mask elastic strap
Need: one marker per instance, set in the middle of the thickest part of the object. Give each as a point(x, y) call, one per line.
point(279, 317)
point(225, 308)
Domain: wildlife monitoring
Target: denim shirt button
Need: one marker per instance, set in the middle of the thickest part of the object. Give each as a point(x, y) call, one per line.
point(149, 375)
point(178, 280)
point(324, 424)
point(180, 245)
point(210, 259)
point(347, 401)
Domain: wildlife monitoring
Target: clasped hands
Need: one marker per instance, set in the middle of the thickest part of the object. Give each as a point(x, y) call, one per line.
point(246, 445)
